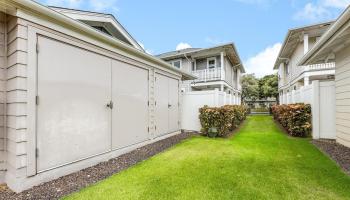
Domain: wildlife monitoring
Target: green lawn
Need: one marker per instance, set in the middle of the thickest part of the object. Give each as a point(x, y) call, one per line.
point(260, 162)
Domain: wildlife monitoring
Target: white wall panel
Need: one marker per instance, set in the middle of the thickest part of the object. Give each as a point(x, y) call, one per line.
point(73, 121)
point(342, 96)
point(162, 102)
point(130, 98)
point(173, 106)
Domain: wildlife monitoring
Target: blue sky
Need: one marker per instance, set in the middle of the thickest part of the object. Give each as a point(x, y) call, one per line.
point(257, 27)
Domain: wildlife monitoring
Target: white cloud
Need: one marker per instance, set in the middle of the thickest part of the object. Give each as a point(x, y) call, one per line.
point(183, 45)
point(312, 12)
point(337, 3)
point(262, 63)
point(321, 10)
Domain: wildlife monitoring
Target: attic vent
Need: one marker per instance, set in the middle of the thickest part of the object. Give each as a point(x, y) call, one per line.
point(102, 29)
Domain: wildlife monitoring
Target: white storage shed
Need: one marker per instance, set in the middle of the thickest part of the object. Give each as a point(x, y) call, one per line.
point(76, 92)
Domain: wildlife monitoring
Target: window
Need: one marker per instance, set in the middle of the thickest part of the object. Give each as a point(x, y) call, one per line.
point(176, 63)
point(211, 63)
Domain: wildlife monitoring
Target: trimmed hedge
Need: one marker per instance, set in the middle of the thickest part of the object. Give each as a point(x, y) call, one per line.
point(295, 118)
point(225, 119)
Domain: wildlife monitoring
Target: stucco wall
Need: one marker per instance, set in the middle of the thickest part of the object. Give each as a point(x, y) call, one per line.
point(342, 82)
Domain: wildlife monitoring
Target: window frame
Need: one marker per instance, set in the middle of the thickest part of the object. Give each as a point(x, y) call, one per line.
point(172, 62)
point(211, 59)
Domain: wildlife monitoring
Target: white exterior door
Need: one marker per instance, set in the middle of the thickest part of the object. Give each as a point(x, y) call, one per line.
point(130, 105)
point(73, 122)
point(167, 105)
point(162, 102)
point(173, 105)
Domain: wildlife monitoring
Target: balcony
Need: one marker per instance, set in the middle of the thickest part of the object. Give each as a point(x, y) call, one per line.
point(316, 67)
point(206, 75)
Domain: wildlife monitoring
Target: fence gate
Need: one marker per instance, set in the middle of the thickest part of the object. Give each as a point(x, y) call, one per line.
point(327, 110)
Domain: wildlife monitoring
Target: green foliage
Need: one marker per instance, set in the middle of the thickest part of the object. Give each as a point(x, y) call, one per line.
point(296, 118)
point(224, 119)
point(250, 87)
point(268, 86)
point(254, 88)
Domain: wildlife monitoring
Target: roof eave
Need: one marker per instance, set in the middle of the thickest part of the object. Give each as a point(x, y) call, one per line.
point(286, 40)
point(38, 8)
point(307, 58)
point(106, 16)
point(231, 44)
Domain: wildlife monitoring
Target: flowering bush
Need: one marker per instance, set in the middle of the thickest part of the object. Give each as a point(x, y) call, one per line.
point(295, 118)
point(224, 119)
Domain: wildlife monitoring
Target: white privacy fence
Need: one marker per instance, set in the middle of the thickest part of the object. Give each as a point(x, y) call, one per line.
point(321, 96)
point(192, 101)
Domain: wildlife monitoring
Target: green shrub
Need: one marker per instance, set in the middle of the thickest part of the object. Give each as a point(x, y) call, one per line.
point(295, 118)
point(224, 119)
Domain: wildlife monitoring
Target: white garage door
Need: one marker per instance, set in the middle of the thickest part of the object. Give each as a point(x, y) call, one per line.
point(167, 105)
point(130, 111)
point(74, 86)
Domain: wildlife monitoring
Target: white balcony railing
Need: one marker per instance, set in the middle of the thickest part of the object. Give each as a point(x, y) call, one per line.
point(324, 66)
point(207, 75)
point(297, 71)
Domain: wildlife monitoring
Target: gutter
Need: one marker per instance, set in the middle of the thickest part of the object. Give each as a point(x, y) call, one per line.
point(38, 8)
point(341, 21)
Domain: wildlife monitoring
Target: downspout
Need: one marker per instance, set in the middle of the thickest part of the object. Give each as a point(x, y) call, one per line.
point(189, 60)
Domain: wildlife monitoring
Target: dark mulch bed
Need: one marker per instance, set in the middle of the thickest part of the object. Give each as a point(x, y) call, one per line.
point(336, 151)
point(76, 181)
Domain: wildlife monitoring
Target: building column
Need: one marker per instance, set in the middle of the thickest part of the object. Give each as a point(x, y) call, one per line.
point(306, 80)
point(222, 66)
point(222, 87)
point(306, 43)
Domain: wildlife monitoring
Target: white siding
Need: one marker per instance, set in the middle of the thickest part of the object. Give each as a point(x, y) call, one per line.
point(16, 102)
point(229, 72)
point(342, 80)
point(2, 93)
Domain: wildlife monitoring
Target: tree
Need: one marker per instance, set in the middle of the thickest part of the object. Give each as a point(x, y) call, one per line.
point(268, 87)
point(250, 87)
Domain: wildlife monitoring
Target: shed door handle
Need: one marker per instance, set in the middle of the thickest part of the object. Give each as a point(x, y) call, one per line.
point(110, 105)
